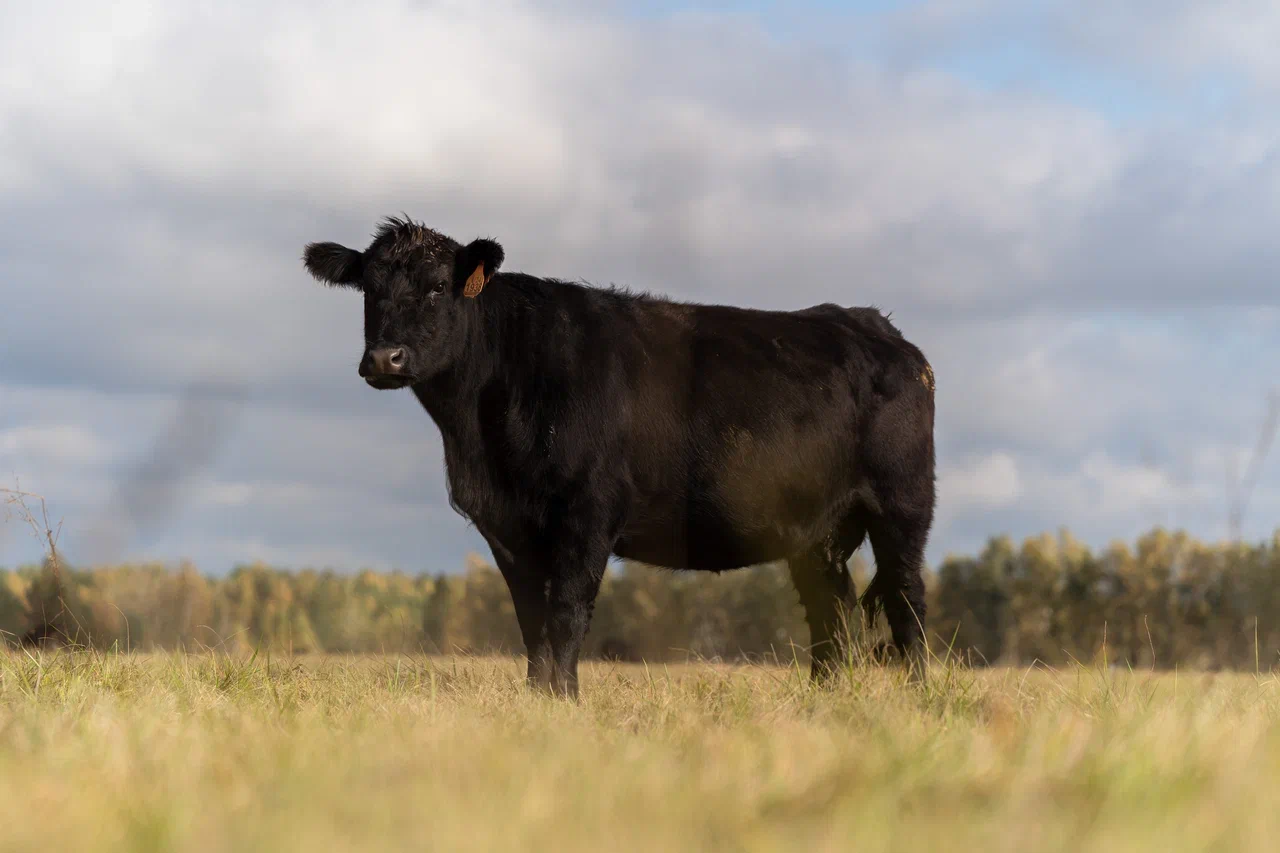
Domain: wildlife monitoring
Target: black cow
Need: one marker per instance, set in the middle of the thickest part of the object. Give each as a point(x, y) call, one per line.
point(580, 422)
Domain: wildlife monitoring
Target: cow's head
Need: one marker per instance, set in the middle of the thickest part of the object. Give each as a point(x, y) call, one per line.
point(416, 284)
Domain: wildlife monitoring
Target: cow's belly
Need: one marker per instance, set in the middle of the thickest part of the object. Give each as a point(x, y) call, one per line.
point(740, 509)
point(705, 541)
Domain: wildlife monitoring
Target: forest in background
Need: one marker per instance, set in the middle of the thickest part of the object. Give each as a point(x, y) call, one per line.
point(1165, 600)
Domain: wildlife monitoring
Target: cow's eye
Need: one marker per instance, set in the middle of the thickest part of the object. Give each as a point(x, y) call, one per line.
point(438, 288)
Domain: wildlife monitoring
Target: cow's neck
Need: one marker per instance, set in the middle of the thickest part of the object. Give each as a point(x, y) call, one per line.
point(452, 396)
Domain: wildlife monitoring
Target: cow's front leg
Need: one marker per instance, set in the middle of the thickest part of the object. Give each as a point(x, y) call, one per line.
point(527, 583)
point(577, 569)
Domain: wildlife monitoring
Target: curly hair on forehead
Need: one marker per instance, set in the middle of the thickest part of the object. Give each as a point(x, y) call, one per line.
point(399, 236)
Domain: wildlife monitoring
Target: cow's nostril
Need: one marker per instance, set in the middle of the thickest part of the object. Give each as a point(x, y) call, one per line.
point(396, 359)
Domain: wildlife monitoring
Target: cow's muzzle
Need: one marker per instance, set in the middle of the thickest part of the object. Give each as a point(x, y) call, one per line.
point(386, 367)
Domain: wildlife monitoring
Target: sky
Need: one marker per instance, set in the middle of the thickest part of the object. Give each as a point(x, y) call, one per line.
point(1072, 208)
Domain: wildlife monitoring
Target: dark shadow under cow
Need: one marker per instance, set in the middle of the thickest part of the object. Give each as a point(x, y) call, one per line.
point(580, 422)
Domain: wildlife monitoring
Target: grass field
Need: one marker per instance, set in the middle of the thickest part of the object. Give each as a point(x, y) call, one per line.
point(205, 753)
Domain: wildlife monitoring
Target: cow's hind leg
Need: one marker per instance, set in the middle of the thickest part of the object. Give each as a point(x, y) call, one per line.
point(872, 604)
point(898, 586)
point(829, 597)
point(901, 467)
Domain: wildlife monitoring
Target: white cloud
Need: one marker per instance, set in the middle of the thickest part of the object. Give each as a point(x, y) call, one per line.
point(990, 481)
point(1126, 488)
point(57, 444)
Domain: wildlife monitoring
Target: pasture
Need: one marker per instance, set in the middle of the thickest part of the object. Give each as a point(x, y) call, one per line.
point(203, 752)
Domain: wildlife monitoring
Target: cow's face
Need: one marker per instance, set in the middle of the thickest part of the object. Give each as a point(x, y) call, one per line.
point(417, 284)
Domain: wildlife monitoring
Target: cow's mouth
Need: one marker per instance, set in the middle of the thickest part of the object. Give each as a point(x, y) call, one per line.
point(388, 383)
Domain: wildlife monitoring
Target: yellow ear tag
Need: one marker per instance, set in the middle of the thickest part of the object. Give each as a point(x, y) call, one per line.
point(475, 283)
point(927, 376)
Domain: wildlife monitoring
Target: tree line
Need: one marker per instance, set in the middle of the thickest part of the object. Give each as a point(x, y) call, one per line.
point(1165, 600)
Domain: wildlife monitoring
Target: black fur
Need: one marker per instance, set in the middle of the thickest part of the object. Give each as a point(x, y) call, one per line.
point(580, 422)
point(333, 264)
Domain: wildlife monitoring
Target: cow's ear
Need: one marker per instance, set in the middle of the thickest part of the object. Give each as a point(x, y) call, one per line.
point(475, 264)
point(334, 264)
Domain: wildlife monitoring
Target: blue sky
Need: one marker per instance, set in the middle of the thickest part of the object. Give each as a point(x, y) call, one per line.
point(1071, 207)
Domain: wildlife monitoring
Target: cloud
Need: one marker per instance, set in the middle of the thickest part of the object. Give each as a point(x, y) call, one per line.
point(1124, 487)
point(991, 481)
point(1186, 37)
point(1090, 293)
point(38, 443)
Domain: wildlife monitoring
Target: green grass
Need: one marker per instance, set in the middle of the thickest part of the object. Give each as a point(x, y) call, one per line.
point(205, 753)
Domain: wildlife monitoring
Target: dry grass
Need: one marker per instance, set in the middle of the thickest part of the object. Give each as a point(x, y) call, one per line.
point(204, 753)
